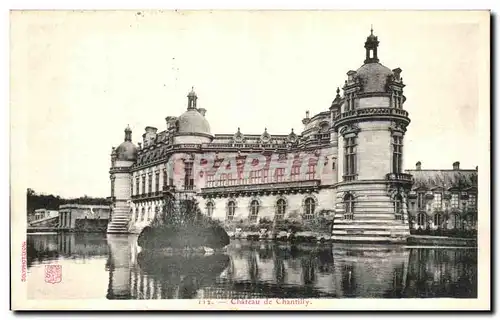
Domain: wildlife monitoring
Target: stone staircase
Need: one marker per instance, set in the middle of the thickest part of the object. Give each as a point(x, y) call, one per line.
point(370, 227)
point(120, 220)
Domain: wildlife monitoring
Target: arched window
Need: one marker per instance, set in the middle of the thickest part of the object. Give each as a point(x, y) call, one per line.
point(310, 206)
point(280, 209)
point(454, 221)
point(438, 220)
point(143, 213)
point(398, 207)
point(210, 209)
point(231, 208)
point(254, 210)
point(149, 214)
point(349, 206)
point(421, 221)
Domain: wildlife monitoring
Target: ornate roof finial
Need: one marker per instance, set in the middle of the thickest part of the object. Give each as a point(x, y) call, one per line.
point(128, 133)
point(338, 91)
point(371, 30)
point(192, 97)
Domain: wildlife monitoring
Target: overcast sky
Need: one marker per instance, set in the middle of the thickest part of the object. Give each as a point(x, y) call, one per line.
point(77, 80)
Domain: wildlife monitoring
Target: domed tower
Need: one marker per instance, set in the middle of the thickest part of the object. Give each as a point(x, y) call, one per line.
point(122, 159)
point(192, 126)
point(371, 124)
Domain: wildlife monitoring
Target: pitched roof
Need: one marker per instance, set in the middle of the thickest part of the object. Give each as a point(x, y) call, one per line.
point(429, 179)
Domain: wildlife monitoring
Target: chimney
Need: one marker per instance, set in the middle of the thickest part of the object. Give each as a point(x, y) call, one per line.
point(456, 165)
point(418, 165)
point(202, 111)
point(397, 74)
point(306, 120)
point(350, 76)
point(151, 130)
point(170, 122)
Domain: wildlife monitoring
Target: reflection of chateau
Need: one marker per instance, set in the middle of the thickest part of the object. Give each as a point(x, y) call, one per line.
point(271, 270)
point(356, 170)
point(51, 246)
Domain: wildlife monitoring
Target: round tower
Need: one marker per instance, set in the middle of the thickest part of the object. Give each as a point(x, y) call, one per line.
point(122, 159)
point(371, 124)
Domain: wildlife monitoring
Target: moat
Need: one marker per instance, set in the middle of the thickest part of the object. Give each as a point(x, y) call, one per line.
point(104, 266)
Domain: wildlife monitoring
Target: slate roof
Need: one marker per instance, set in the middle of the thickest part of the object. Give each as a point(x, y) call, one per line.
point(447, 179)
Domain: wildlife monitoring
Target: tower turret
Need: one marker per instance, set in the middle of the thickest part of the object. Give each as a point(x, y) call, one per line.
point(371, 46)
point(120, 176)
point(371, 126)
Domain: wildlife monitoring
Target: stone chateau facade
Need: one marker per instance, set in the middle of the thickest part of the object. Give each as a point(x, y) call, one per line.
point(346, 164)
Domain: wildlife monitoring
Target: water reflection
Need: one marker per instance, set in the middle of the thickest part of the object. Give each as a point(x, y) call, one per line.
point(264, 269)
point(51, 247)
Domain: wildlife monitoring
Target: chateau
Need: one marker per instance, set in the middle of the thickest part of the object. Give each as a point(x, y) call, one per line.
point(347, 164)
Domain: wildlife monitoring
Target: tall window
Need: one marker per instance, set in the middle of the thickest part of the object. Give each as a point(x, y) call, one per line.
point(112, 187)
point(454, 200)
point(280, 209)
point(397, 154)
point(311, 172)
point(310, 207)
point(136, 215)
point(420, 200)
point(350, 159)
point(137, 190)
point(471, 202)
point(157, 181)
point(398, 207)
point(295, 172)
point(188, 176)
point(349, 206)
point(438, 200)
point(210, 209)
point(279, 173)
point(150, 183)
point(143, 213)
point(231, 208)
point(454, 221)
point(438, 220)
point(165, 179)
point(143, 184)
point(421, 221)
point(254, 210)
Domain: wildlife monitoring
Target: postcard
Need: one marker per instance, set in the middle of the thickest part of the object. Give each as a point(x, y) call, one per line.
point(250, 160)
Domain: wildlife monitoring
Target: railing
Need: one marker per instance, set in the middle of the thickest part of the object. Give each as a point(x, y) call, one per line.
point(405, 177)
point(264, 186)
point(372, 111)
point(350, 177)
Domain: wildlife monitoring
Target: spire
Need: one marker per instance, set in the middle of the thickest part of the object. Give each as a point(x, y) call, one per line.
point(192, 97)
point(128, 133)
point(371, 46)
point(338, 93)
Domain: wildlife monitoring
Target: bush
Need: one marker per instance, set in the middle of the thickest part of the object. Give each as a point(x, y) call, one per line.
point(183, 226)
